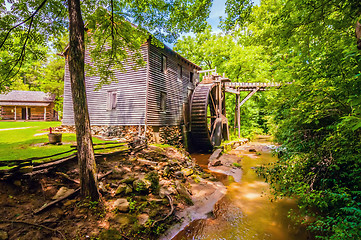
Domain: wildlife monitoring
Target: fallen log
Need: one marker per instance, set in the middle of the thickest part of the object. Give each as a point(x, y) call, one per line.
point(46, 206)
point(69, 194)
point(56, 162)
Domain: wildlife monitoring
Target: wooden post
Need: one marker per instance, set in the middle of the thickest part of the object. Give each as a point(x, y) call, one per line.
point(44, 113)
point(15, 114)
point(219, 100)
point(26, 113)
point(238, 115)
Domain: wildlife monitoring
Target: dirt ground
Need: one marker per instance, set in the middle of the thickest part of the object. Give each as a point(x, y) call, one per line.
point(142, 197)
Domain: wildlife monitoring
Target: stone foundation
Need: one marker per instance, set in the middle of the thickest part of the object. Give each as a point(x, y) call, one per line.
point(171, 135)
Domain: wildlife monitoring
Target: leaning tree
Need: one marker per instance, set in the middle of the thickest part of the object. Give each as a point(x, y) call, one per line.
point(112, 30)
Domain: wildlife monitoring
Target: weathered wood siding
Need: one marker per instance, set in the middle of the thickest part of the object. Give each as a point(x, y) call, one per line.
point(131, 97)
point(159, 82)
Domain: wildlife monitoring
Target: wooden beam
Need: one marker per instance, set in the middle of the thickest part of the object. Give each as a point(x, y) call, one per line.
point(15, 114)
point(231, 90)
point(248, 96)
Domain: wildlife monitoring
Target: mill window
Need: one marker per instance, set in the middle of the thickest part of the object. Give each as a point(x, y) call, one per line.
point(164, 64)
point(180, 73)
point(163, 101)
point(112, 100)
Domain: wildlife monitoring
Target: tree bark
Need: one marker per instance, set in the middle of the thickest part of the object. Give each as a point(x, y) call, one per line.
point(86, 159)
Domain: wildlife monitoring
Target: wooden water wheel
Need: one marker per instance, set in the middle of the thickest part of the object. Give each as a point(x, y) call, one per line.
point(208, 124)
point(208, 121)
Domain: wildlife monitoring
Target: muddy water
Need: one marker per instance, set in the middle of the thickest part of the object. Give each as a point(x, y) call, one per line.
point(246, 211)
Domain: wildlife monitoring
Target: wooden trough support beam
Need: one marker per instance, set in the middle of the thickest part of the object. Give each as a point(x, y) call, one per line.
point(248, 96)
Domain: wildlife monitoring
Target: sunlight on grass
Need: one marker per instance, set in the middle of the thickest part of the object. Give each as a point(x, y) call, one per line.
point(18, 144)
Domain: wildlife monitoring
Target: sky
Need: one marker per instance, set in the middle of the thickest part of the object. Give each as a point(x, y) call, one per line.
point(217, 10)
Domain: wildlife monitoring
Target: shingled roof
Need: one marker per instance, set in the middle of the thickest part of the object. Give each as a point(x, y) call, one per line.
point(26, 98)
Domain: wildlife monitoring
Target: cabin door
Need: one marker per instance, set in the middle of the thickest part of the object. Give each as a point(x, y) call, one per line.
point(23, 114)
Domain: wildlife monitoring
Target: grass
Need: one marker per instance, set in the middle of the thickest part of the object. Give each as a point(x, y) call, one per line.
point(19, 144)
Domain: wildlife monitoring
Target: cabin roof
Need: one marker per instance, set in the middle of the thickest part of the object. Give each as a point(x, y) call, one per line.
point(33, 98)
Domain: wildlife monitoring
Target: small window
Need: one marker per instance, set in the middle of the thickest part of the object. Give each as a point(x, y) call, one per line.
point(180, 73)
point(163, 102)
point(112, 100)
point(164, 64)
point(191, 77)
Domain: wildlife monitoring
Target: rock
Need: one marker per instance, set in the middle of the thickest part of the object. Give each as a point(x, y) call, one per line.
point(166, 170)
point(117, 173)
point(121, 189)
point(179, 174)
point(196, 178)
point(62, 192)
point(183, 192)
point(3, 235)
point(207, 175)
point(163, 192)
point(153, 178)
point(142, 218)
point(216, 163)
point(215, 155)
point(122, 219)
point(102, 188)
point(121, 204)
point(187, 171)
point(128, 180)
point(140, 185)
point(17, 183)
point(128, 189)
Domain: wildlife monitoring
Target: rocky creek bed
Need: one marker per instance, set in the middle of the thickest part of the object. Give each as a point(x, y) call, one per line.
point(143, 196)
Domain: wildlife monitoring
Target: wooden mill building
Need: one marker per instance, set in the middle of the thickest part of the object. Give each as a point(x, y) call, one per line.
point(27, 105)
point(153, 96)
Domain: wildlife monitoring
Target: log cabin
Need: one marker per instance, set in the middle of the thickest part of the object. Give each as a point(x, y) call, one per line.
point(152, 100)
point(27, 105)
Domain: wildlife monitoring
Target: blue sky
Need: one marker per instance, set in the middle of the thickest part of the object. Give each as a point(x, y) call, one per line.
point(217, 10)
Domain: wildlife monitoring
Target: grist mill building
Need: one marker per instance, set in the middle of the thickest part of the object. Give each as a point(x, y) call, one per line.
point(155, 97)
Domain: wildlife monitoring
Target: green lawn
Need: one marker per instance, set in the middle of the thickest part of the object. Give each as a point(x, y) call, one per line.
point(18, 144)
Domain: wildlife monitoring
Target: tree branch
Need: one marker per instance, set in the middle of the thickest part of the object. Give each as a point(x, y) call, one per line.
point(19, 24)
point(22, 54)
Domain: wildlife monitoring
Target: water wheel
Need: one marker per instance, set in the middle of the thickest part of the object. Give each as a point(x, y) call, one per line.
point(207, 119)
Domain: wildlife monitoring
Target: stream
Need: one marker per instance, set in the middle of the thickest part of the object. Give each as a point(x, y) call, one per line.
point(245, 212)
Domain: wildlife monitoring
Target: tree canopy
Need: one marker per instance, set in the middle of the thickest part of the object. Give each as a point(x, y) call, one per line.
point(29, 28)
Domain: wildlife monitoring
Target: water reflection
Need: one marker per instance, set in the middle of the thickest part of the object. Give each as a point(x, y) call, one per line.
point(246, 211)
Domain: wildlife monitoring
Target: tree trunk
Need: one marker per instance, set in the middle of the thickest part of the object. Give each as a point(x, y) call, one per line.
point(86, 159)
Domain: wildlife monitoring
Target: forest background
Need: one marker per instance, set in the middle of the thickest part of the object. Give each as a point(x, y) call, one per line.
point(317, 119)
